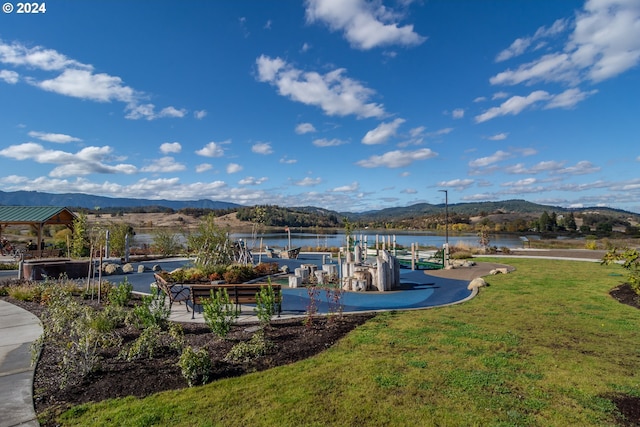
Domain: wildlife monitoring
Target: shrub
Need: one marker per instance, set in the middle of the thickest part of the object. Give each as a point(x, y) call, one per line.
point(195, 366)
point(79, 330)
point(121, 294)
point(9, 266)
point(219, 313)
point(239, 274)
point(152, 310)
point(265, 304)
point(460, 255)
point(246, 351)
point(153, 338)
point(266, 268)
point(591, 244)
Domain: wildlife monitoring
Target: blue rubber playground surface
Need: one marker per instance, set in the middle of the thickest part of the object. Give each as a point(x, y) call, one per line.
point(418, 290)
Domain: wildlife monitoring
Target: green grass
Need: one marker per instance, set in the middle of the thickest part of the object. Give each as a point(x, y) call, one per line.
point(543, 346)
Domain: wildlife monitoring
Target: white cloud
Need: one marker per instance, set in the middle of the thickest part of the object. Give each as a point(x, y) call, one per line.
point(581, 168)
point(78, 80)
point(250, 180)
point(287, 161)
point(604, 43)
point(164, 164)
point(172, 112)
point(170, 147)
point(458, 113)
point(10, 77)
point(203, 167)
point(382, 133)
point(200, 114)
point(86, 85)
point(513, 105)
point(59, 138)
point(569, 98)
point(303, 128)
point(458, 184)
point(365, 25)
point(499, 136)
point(323, 142)
point(212, 149)
point(89, 160)
point(233, 168)
point(520, 45)
point(333, 92)
point(354, 186)
point(147, 111)
point(37, 57)
point(397, 158)
point(489, 160)
point(262, 148)
point(308, 182)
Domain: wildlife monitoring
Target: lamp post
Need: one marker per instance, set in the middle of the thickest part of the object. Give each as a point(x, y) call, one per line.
point(445, 254)
point(446, 215)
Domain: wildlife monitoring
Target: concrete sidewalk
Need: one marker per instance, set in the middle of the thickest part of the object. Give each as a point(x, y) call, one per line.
point(18, 329)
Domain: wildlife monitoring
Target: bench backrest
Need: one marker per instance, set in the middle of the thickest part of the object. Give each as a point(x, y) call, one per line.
point(238, 294)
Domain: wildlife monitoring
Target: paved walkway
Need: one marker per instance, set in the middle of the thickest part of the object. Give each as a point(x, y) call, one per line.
point(18, 329)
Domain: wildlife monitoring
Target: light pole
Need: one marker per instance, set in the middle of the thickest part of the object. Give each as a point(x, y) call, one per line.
point(446, 215)
point(445, 254)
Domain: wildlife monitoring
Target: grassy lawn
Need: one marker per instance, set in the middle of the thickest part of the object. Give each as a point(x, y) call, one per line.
point(543, 346)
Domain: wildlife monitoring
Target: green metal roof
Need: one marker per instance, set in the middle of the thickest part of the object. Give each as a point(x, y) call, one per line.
point(35, 214)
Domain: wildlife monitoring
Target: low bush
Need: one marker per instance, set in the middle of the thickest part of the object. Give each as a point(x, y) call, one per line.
point(195, 366)
point(246, 351)
point(219, 313)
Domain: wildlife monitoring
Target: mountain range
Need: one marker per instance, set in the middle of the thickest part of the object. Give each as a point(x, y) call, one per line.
point(88, 201)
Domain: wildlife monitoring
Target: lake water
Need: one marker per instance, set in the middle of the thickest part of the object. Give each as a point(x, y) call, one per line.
point(298, 239)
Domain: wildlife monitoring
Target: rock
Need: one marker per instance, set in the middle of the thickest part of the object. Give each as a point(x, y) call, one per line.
point(141, 268)
point(477, 283)
point(501, 270)
point(127, 268)
point(285, 269)
point(109, 269)
point(156, 267)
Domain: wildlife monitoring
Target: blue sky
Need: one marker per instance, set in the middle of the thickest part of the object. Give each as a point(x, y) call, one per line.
point(349, 105)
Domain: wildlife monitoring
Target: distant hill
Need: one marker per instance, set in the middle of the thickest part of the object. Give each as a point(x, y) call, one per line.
point(88, 201)
point(516, 206)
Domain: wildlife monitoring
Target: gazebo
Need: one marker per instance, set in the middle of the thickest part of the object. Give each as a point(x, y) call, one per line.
point(36, 217)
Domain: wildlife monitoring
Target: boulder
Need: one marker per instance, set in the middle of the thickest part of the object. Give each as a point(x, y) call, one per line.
point(478, 282)
point(141, 268)
point(109, 269)
point(156, 267)
point(127, 268)
point(501, 270)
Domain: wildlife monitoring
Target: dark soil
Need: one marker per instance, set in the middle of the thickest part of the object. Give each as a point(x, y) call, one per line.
point(118, 378)
point(628, 406)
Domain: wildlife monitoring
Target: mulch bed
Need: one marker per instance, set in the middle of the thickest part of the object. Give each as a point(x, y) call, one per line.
point(116, 377)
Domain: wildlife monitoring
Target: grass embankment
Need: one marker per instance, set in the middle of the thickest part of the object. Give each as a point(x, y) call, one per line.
point(545, 345)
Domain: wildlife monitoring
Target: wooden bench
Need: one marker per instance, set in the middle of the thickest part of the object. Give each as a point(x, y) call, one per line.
point(176, 292)
point(238, 294)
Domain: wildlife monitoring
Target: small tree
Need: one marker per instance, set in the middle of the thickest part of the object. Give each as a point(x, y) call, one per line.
point(219, 313)
point(80, 237)
point(483, 237)
point(211, 244)
point(630, 261)
point(166, 242)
